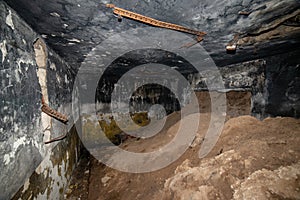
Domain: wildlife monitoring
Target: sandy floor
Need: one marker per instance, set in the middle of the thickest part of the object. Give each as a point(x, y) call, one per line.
point(272, 143)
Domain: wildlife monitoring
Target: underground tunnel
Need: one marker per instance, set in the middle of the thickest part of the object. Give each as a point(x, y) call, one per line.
point(150, 99)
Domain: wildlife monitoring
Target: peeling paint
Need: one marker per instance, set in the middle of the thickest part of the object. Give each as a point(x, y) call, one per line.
point(58, 78)
point(17, 76)
point(16, 128)
point(6, 159)
point(52, 174)
point(27, 61)
point(40, 50)
point(3, 50)
point(55, 14)
point(41, 73)
point(66, 79)
point(23, 148)
point(74, 40)
point(41, 56)
point(52, 66)
point(19, 142)
point(18, 71)
point(26, 185)
point(9, 20)
point(46, 124)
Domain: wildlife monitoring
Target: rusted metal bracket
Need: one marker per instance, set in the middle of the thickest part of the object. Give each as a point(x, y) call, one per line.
point(120, 12)
point(55, 114)
point(57, 139)
point(245, 13)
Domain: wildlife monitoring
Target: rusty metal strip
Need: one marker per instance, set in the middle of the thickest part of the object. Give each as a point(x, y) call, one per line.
point(53, 113)
point(57, 138)
point(148, 20)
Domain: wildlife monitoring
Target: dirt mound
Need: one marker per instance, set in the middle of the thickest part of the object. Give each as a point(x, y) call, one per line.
point(252, 158)
point(259, 160)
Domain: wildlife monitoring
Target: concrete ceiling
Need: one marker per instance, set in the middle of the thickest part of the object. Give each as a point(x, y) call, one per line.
point(73, 27)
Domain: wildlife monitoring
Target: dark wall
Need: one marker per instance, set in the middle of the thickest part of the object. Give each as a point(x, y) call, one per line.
point(23, 127)
point(20, 94)
point(283, 85)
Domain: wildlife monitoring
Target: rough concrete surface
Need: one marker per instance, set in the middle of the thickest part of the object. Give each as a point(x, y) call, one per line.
point(43, 44)
point(25, 67)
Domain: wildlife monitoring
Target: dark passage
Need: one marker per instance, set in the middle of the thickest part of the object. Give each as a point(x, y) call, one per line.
point(95, 106)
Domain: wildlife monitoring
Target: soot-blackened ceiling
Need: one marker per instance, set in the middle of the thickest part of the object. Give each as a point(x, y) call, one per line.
point(73, 27)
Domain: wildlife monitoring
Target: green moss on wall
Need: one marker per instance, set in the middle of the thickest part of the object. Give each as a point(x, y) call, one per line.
point(63, 154)
point(95, 131)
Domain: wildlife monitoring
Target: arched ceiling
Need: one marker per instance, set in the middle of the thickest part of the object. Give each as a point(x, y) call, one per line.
point(73, 27)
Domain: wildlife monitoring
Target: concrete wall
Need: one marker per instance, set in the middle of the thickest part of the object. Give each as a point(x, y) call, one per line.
point(28, 69)
point(274, 83)
point(246, 76)
point(283, 85)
